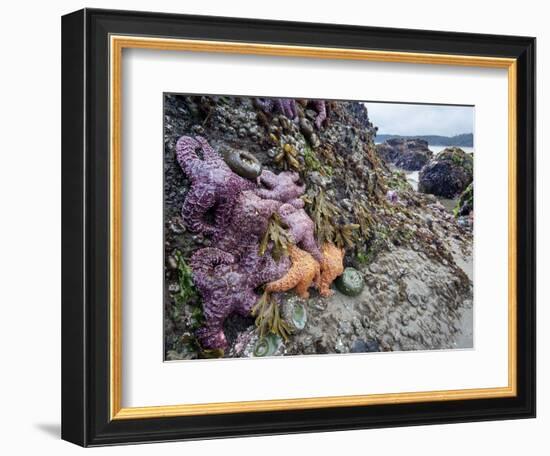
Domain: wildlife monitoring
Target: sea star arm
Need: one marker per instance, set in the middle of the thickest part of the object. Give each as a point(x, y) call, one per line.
point(186, 154)
point(195, 206)
point(309, 245)
point(320, 107)
point(298, 203)
point(208, 152)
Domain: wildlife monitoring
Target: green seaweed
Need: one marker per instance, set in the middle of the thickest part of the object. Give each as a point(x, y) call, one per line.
point(326, 216)
point(363, 258)
point(346, 235)
point(311, 160)
point(324, 213)
point(276, 235)
point(364, 219)
point(187, 290)
point(268, 317)
point(466, 197)
point(398, 181)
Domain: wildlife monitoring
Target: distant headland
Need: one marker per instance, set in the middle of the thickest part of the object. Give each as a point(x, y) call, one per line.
point(462, 140)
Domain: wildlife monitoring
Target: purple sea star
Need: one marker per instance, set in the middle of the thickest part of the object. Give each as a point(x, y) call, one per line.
point(285, 187)
point(213, 184)
point(248, 223)
point(301, 229)
point(392, 197)
point(321, 107)
point(286, 106)
point(227, 287)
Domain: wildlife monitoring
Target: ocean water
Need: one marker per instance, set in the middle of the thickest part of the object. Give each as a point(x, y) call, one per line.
point(437, 149)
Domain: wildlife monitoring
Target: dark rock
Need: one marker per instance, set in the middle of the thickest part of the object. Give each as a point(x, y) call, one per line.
point(407, 154)
point(448, 174)
point(465, 203)
point(236, 324)
point(361, 346)
point(373, 346)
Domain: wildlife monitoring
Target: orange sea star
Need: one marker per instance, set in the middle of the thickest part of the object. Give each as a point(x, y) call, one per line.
point(304, 271)
point(331, 267)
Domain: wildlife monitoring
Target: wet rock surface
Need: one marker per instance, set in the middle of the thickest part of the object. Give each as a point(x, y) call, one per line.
point(413, 255)
point(465, 203)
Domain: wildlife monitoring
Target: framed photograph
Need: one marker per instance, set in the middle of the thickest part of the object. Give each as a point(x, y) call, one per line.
point(279, 227)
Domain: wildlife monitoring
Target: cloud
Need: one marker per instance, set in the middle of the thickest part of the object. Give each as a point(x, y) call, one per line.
point(416, 119)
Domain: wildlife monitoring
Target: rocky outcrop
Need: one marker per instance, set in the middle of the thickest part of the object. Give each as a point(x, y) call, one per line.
point(407, 154)
point(465, 203)
point(448, 174)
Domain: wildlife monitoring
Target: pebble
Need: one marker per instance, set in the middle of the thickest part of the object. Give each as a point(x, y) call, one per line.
point(339, 347)
point(198, 129)
point(172, 263)
point(345, 327)
point(359, 346)
point(173, 288)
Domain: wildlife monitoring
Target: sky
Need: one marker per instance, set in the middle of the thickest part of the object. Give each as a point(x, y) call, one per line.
point(417, 119)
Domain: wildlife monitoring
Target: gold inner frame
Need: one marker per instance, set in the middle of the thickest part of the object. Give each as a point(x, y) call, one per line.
point(117, 44)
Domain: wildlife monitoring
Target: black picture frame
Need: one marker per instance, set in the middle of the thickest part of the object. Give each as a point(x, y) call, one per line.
point(85, 227)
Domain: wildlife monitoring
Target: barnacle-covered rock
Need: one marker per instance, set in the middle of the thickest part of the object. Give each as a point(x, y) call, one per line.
point(351, 282)
point(362, 346)
point(309, 132)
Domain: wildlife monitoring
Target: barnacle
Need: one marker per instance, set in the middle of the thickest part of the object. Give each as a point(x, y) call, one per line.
point(287, 158)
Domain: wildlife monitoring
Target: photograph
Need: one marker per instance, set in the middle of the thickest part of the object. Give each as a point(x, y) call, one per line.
point(297, 226)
